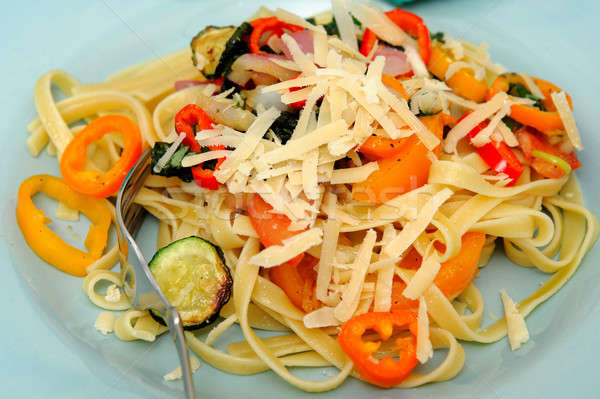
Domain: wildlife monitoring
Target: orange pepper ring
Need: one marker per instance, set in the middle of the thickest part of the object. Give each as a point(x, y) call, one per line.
point(387, 371)
point(91, 182)
point(46, 243)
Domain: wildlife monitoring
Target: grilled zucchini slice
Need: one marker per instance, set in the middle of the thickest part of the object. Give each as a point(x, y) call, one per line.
point(192, 274)
point(219, 47)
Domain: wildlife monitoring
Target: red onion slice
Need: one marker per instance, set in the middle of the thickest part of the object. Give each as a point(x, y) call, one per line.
point(395, 61)
point(184, 84)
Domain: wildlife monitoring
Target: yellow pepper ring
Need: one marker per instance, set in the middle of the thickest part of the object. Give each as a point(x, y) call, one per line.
point(46, 243)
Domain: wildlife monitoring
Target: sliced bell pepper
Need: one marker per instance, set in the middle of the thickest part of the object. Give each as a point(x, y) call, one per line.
point(205, 177)
point(546, 121)
point(531, 141)
point(462, 81)
point(298, 282)
point(264, 25)
point(272, 228)
point(408, 22)
point(406, 170)
point(385, 372)
point(497, 155)
point(91, 182)
point(188, 120)
point(394, 84)
point(454, 275)
point(46, 243)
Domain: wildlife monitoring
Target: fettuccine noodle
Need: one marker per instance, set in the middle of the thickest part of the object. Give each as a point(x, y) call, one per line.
point(542, 222)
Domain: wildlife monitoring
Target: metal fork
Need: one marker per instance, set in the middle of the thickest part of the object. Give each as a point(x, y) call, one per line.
point(129, 218)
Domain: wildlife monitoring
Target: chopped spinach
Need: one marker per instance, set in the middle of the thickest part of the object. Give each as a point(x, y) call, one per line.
point(228, 84)
point(284, 125)
point(173, 167)
point(331, 27)
point(439, 36)
point(519, 90)
point(512, 124)
point(235, 47)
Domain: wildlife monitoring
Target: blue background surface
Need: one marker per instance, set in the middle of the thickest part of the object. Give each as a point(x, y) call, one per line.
point(48, 345)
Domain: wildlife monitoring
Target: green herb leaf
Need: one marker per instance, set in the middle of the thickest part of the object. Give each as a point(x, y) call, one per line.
point(512, 124)
point(519, 90)
point(173, 168)
point(439, 36)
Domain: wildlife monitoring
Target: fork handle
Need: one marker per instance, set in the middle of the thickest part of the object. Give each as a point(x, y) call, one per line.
point(176, 331)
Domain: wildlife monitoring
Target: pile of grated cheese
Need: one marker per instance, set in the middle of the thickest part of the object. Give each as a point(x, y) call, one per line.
point(298, 178)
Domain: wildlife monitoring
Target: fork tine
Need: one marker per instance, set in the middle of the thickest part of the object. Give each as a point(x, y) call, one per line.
point(129, 217)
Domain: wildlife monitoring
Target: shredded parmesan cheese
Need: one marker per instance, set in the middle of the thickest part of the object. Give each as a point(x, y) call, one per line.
point(162, 161)
point(482, 112)
point(515, 323)
point(423, 278)
point(414, 228)
point(344, 23)
point(196, 159)
point(353, 175)
point(533, 88)
point(253, 136)
point(242, 226)
point(176, 374)
point(379, 23)
point(331, 231)
point(322, 317)
point(416, 62)
point(292, 247)
point(563, 109)
point(351, 295)
point(424, 347)
point(458, 65)
point(297, 148)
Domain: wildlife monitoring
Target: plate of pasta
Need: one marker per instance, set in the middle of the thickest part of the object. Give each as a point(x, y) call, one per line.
point(343, 198)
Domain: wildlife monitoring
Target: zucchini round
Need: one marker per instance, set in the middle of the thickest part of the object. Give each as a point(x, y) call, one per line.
point(192, 274)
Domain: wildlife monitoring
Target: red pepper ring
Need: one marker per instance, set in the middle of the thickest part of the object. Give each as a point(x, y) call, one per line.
point(186, 119)
point(385, 372)
point(91, 182)
point(269, 24)
point(408, 22)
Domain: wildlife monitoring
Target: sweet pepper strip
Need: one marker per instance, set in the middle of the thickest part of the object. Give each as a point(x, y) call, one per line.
point(462, 81)
point(189, 120)
point(91, 182)
point(205, 177)
point(497, 155)
point(408, 22)
point(547, 121)
point(46, 243)
point(270, 24)
point(406, 170)
point(385, 372)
